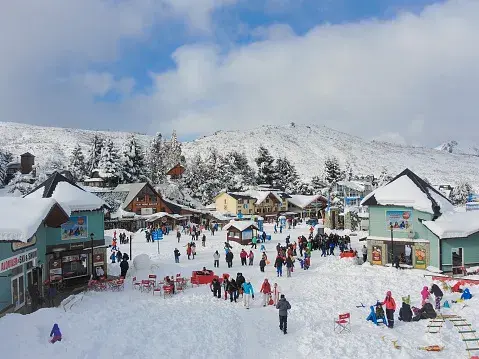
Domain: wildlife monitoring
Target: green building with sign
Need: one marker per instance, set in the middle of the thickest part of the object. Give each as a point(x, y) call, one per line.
point(410, 219)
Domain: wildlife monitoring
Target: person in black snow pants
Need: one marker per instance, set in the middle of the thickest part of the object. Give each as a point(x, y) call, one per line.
point(216, 288)
point(438, 294)
point(283, 306)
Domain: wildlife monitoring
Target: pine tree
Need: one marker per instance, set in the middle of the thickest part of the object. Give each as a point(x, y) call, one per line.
point(235, 172)
point(347, 175)
point(95, 153)
point(332, 171)
point(109, 164)
point(20, 184)
point(317, 184)
point(287, 178)
point(384, 177)
point(194, 176)
point(156, 160)
point(266, 170)
point(172, 152)
point(460, 194)
point(77, 166)
point(4, 160)
point(133, 162)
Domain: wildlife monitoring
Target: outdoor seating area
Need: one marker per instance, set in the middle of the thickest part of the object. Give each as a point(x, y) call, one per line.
point(166, 287)
point(202, 277)
point(105, 284)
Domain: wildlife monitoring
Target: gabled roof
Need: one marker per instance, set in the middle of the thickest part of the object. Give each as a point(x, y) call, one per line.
point(409, 190)
point(27, 154)
point(132, 189)
point(303, 201)
point(240, 225)
point(21, 217)
point(176, 170)
point(240, 196)
point(455, 225)
point(67, 194)
point(114, 199)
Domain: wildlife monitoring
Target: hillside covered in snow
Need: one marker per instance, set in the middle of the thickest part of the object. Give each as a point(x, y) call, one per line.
point(306, 147)
point(462, 148)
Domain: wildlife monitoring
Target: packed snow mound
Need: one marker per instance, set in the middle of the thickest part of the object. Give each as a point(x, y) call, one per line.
point(142, 262)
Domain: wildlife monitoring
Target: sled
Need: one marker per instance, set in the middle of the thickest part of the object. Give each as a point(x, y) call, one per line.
point(432, 348)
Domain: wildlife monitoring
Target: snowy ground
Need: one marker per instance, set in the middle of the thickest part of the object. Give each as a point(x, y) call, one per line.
point(193, 324)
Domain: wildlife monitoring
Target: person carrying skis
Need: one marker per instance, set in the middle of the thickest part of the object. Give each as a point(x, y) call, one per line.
point(390, 308)
point(266, 290)
point(216, 258)
point(243, 256)
point(278, 264)
point(283, 306)
point(55, 334)
point(247, 293)
point(250, 258)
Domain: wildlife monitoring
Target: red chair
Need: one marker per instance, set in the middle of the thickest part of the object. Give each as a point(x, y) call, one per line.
point(146, 285)
point(135, 283)
point(152, 279)
point(343, 323)
point(156, 290)
point(167, 290)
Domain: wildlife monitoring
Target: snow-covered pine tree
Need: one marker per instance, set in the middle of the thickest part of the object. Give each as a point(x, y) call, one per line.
point(317, 184)
point(235, 171)
point(133, 162)
point(4, 160)
point(77, 165)
point(155, 160)
point(266, 168)
point(332, 171)
point(459, 194)
point(110, 164)
point(347, 175)
point(95, 153)
point(287, 178)
point(384, 177)
point(214, 176)
point(194, 176)
point(20, 184)
point(247, 172)
point(172, 152)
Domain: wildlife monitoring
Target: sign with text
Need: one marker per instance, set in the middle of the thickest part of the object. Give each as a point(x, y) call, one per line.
point(400, 221)
point(75, 228)
point(17, 260)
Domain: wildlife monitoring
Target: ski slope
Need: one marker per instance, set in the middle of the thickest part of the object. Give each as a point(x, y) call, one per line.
point(193, 324)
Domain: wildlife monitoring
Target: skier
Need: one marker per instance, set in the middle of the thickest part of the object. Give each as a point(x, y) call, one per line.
point(243, 256)
point(251, 258)
point(266, 290)
point(438, 294)
point(124, 268)
point(56, 334)
point(247, 293)
point(278, 264)
point(390, 308)
point(216, 257)
point(177, 255)
point(283, 306)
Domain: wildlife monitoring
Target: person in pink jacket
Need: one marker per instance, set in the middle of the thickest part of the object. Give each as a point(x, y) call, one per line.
point(424, 295)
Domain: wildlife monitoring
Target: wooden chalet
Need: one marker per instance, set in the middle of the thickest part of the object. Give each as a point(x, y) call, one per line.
point(241, 232)
point(176, 172)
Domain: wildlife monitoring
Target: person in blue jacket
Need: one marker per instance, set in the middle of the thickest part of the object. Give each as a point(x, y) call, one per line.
point(55, 334)
point(247, 293)
point(466, 294)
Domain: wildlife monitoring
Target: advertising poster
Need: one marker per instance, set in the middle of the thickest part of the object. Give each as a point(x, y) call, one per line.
point(377, 255)
point(400, 221)
point(55, 270)
point(420, 255)
point(75, 228)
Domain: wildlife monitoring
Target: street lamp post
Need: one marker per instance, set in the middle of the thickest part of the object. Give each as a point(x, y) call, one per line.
point(92, 258)
point(392, 245)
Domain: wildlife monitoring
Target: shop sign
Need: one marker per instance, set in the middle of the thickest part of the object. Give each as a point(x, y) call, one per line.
point(77, 245)
point(420, 254)
point(377, 255)
point(16, 246)
point(98, 260)
point(75, 228)
point(17, 260)
point(399, 221)
point(55, 270)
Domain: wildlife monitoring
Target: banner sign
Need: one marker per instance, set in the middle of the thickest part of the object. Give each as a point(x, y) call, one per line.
point(420, 255)
point(400, 221)
point(75, 228)
point(472, 206)
point(17, 260)
point(377, 255)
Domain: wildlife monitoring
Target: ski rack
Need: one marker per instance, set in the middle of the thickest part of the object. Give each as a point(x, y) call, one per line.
point(464, 328)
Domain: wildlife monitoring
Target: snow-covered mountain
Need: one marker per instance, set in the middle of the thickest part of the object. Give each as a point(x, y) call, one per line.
point(462, 148)
point(305, 146)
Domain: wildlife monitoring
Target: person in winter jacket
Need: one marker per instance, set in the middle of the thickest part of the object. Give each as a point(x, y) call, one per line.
point(216, 288)
point(247, 293)
point(276, 291)
point(229, 259)
point(178, 235)
point(119, 256)
point(262, 264)
point(278, 264)
point(263, 236)
point(55, 334)
point(216, 258)
point(239, 283)
point(254, 242)
point(126, 257)
point(250, 258)
point(438, 294)
point(390, 308)
point(113, 257)
point(124, 266)
point(266, 290)
point(188, 250)
point(283, 306)
point(466, 295)
point(177, 254)
point(289, 266)
point(405, 313)
point(424, 295)
point(232, 289)
point(203, 240)
point(426, 312)
point(243, 256)
point(365, 253)
point(262, 248)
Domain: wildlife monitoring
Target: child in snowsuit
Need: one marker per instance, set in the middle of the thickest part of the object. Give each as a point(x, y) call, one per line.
point(113, 257)
point(405, 313)
point(424, 295)
point(55, 334)
point(390, 308)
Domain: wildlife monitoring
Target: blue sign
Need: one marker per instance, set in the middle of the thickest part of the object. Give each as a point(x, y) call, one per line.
point(240, 215)
point(157, 235)
point(473, 198)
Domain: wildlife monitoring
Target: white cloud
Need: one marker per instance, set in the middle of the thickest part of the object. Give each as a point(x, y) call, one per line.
point(367, 78)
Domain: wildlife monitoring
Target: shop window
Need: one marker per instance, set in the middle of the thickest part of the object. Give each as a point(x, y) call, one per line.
point(18, 292)
point(75, 265)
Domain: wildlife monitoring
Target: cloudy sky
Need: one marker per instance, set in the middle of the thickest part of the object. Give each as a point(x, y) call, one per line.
point(400, 70)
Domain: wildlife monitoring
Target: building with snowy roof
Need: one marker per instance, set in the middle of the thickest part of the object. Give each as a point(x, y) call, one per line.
point(26, 225)
point(408, 215)
point(241, 231)
point(69, 254)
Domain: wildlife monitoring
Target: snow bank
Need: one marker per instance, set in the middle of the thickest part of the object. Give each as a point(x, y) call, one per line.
point(142, 262)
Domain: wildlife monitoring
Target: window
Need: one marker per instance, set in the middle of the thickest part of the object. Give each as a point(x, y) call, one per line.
point(153, 199)
point(138, 211)
point(140, 198)
point(18, 291)
point(267, 200)
point(16, 271)
point(74, 265)
point(154, 210)
point(30, 265)
point(240, 201)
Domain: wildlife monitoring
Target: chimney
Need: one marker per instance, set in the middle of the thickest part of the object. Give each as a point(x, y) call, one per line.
point(27, 160)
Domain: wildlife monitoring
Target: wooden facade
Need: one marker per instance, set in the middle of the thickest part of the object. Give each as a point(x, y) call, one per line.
point(146, 201)
point(176, 172)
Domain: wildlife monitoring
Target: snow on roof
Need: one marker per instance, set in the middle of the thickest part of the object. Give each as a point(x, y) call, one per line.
point(159, 215)
point(240, 225)
point(303, 201)
point(455, 224)
point(260, 196)
point(356, 185)
point(93, 179)
point(21, 217)
point(132, 188)
point(408, 190)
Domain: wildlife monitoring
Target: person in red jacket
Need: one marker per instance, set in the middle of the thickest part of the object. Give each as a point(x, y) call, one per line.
point(266, 290)
point(390, 308)
point(243, 256)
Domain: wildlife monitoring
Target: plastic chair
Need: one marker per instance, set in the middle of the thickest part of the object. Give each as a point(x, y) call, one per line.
point(156, 290)
point(135, 283)
point(146, 285)
point(343, 323)
point(167, 290)
point(152, 279)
